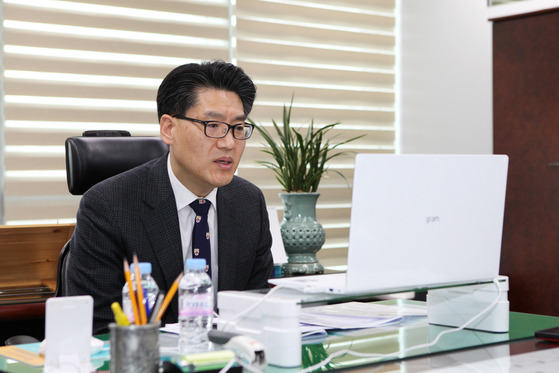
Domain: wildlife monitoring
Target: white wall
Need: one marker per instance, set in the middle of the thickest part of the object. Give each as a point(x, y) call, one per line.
point(445, 77)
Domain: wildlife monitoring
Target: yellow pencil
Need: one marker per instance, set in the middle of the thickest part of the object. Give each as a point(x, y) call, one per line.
point(140, 291)
point(128, 277)
point(168, 298)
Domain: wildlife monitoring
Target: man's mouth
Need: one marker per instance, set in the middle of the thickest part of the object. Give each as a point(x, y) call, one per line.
point(224, 161)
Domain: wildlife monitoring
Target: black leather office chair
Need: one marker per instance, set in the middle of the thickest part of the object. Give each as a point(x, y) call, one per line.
point(62, 269)
point(96, 156)
point(91, 158)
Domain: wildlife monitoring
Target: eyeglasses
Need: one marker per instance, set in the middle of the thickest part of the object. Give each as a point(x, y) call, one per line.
point(217, 130)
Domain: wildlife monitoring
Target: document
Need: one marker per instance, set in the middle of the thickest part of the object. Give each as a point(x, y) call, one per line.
point(357, 315)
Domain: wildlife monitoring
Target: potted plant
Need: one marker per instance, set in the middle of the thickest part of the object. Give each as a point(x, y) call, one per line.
point(299, 163)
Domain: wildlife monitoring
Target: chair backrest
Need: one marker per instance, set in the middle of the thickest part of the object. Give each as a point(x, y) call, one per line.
point(98, 155)
point(61, 284)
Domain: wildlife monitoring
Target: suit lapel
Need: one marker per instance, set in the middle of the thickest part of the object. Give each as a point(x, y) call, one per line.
point(228, 238)
point(161, 223)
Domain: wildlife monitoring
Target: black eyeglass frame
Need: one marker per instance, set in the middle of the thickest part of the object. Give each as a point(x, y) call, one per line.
point(229, 127)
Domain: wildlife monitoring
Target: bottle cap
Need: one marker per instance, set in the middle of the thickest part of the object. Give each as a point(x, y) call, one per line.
point(196, 264)
point(145, 268)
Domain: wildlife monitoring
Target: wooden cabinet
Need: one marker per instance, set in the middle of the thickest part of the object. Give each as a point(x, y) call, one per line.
point(526, 127)
point(28, 270)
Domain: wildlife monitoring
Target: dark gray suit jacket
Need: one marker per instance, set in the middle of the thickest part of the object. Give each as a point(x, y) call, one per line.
point(135, 212)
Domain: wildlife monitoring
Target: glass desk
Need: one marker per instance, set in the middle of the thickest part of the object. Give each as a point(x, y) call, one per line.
point(383, 340)
point(390, 339)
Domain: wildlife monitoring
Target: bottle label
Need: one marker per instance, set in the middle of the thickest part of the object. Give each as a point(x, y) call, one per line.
point(196, 305)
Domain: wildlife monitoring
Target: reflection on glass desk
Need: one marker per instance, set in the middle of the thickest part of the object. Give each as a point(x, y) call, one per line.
point(450, 350)
point(391, 339)
point(525, 356)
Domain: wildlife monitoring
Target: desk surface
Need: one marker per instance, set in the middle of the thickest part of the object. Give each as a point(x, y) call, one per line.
point(525, 356)
point(392, 339)
point(466, 345)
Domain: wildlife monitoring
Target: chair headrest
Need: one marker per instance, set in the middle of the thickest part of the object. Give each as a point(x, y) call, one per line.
point(91, 159)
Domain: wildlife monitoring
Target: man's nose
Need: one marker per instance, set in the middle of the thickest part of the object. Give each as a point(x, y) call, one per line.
point(228, 141)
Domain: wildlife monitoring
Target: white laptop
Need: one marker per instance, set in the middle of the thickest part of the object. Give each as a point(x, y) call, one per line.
point(419, 221)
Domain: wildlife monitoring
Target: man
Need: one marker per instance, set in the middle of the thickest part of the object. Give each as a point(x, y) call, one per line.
point(202, 110)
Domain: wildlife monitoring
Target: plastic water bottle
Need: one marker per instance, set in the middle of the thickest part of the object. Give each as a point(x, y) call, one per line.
point(148, 285)
point(195, 307)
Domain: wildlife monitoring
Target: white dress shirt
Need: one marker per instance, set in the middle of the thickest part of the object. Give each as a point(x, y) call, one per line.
point(184, 197)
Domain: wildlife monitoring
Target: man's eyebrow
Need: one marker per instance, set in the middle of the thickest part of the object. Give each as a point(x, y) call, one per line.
point(218, 116)
point(241, 118)
point(213, 114)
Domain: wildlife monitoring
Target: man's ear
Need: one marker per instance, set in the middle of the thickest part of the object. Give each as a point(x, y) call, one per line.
point(166, 124)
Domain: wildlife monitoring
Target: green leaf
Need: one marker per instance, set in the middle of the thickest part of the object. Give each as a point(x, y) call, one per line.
point(299, 160)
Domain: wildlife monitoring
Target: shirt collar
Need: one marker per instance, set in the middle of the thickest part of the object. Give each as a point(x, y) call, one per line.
point(183, 196)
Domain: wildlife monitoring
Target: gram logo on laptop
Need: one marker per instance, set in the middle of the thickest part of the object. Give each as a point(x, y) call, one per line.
point(419, 221)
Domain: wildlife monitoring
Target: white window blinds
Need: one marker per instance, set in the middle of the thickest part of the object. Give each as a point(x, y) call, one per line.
point(337, 59)
point(71, 66)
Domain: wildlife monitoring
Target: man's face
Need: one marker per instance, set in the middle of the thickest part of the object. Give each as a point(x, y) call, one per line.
point(202, 163)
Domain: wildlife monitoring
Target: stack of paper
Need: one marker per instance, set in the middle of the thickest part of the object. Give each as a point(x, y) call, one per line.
point(353, 315)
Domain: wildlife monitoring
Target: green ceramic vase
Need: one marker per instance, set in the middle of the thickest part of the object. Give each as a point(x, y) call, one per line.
point(303, 236)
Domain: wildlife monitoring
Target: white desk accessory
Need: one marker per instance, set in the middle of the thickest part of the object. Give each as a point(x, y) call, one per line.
point(68, 329)
point(274, 322)
point(454, 306)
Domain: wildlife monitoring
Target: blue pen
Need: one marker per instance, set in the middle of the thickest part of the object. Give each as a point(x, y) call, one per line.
point(146, 302)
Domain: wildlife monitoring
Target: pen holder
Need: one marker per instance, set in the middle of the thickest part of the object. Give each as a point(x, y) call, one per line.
point(134, 348)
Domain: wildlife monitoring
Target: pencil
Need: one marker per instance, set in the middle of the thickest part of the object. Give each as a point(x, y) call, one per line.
point(168, 298)
point(140, 291)
point(131, 291)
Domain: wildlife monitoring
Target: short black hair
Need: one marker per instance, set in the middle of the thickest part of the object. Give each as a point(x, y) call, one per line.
point(179, 90)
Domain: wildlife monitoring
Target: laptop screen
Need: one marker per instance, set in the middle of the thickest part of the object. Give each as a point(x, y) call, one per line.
point(424, 220)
